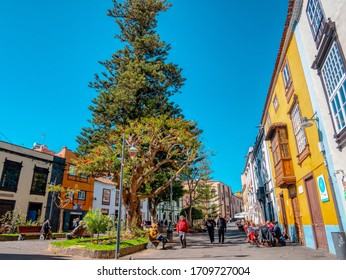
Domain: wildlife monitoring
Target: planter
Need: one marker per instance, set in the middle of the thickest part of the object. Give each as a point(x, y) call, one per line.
point(4, 237)
point(77, 251)
point(29, 229)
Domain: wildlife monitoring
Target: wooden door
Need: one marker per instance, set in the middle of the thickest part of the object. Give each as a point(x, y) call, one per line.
point(317, 222)
point(284, 215)
point(296, 212)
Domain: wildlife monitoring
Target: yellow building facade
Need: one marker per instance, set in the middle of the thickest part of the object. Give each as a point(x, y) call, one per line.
point(304, 198)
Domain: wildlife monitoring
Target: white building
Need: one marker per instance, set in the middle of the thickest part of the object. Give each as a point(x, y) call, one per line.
point(321, 38)
point(106, 198)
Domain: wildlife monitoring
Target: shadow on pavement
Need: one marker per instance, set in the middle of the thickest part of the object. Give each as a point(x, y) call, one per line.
point(31, 257)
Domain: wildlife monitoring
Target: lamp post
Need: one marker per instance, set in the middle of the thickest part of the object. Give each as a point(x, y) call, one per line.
point(133, 150)
point(51, 202)
point(171, 201)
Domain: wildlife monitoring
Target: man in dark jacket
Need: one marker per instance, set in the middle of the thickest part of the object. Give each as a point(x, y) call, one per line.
point(210, 225)
point(221, 227)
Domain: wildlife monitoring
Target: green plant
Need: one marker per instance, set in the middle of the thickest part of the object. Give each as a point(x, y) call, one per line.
point(96, 222)
point(107, 245)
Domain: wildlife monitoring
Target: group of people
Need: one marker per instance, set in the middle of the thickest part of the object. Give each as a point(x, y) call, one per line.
point(269, 233)
point(220, 224)
point(182, 228)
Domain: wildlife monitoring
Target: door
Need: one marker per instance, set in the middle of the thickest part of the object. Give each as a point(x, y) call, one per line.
point(296, 215)
point(317, 222)
point(5, 206)
point(284, 216)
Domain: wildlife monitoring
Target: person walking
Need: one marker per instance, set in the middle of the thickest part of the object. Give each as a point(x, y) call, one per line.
point(46, 229)
point(210, 224)
point(221, 228)
point(182, 229)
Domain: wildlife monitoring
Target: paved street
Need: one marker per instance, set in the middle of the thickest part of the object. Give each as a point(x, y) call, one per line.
point(199, 247)
point(28, 250)
point(234, 248)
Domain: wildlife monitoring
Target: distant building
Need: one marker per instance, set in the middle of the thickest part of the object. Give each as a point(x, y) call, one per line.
point(222, 193)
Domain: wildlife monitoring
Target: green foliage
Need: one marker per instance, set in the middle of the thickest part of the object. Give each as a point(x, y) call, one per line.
point(13, 217)
point(161, 141)
point(196, 213)
point(137, 80)
point(134, 99)
point(105, 243)
point(207, 199)
point(96, 222)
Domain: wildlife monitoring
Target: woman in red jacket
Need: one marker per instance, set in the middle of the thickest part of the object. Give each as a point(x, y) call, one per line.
point(182, 229)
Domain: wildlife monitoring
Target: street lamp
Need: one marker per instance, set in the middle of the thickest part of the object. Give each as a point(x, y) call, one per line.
point(132, 151)
point(171, 200)
point(174, 178)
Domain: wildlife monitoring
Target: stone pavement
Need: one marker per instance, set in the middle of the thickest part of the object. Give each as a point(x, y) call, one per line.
point(199, 247)
point(29, 250)
point(234, 248)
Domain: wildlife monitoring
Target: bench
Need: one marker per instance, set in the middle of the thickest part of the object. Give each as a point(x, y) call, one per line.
point(78, 232)
point(153, 244)
point(30, 230)
point(5, 229)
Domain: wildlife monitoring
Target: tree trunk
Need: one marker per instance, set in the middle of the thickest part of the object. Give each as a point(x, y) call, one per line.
point(132, 206)
point(61, 219)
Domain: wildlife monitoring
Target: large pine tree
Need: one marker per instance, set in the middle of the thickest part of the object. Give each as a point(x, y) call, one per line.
point(133, 100)
point(137, 81)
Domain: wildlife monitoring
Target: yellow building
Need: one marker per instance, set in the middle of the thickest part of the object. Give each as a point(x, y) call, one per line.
point(305, 204)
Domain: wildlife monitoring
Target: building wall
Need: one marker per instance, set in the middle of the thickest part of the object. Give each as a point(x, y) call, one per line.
point(335, 10)
point(109, 205)
point(79, 207)
point(312, 164)
point(222, 199)
point(29, 159)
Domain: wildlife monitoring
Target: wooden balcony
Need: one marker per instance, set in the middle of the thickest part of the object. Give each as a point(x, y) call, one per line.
point(284, 174)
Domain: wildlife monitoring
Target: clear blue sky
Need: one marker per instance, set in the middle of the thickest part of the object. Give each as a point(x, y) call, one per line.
point(49, 52)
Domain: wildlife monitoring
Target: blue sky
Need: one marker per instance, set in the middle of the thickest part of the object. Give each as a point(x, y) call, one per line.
point(49, 52)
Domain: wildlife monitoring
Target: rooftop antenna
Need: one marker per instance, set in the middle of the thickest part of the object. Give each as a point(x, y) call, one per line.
point(43, 136)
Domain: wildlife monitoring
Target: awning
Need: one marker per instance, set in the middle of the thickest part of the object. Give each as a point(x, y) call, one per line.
point(272, 129)
point(241, 215)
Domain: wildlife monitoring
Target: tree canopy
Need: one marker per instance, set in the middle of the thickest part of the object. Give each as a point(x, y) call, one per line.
point(137, 80)
point(162, 142)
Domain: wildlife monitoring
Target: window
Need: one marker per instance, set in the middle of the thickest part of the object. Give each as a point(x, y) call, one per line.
point(10, 176)
point(73, 175)
point(117, 198)
point(104, 211)
point(106, 196)
point(269, 122)
point(276, 103)
point(334, 78)
point(284, 172)
point(330, 64)
point(39, 181)
point(316, 20)
point(298, 130)
point(279, 146)
point(72, 170)
point(81, 195)
point(286, 74)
